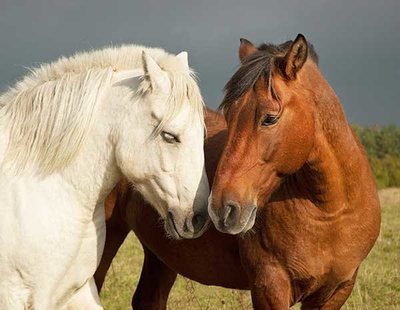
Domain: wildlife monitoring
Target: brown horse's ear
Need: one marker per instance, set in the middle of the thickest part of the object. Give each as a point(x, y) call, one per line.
point(295, 58)
point(246, 48)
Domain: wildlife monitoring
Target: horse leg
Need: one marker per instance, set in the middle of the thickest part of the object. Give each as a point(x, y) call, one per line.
point(337, 300)
point(85, 298)
point(270, 288)
point(114, 240)
point(269, 282)
point(116, 232)
point(156, 281)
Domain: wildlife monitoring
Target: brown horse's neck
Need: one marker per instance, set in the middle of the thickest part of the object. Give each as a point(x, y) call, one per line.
point(337, 172)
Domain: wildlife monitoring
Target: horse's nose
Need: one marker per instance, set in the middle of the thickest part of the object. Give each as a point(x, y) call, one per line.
point(230, 214)
point(196, 224)
point(198, 221)
point(181, 226)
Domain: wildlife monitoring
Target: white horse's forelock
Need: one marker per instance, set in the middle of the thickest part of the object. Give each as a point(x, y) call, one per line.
point(48, 114)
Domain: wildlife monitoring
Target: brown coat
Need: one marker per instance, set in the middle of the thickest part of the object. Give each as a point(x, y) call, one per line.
point(308, 177)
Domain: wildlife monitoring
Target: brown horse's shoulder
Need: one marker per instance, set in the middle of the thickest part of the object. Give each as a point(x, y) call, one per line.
point(308, 244)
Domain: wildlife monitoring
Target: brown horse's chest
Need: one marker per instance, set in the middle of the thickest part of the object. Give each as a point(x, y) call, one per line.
point(312, 252)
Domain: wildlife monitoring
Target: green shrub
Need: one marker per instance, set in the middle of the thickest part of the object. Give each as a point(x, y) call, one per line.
point(382, 145)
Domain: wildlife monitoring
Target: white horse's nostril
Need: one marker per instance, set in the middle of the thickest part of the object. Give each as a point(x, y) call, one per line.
point(198, 222)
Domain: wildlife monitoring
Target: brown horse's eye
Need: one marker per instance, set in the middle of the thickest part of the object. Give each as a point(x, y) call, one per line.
point(270, 120)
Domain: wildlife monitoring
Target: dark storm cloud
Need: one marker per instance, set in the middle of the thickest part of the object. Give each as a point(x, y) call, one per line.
point(358, 41)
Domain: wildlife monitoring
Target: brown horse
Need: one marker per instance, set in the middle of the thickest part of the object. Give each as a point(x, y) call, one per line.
point(290, 158)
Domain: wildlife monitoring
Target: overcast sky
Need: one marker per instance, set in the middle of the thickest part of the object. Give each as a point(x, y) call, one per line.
point(358, 41)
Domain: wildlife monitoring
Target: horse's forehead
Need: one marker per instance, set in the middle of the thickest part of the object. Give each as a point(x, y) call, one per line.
point(181, 118)
point(167, 104)
point(242, 111)
point(185, 118)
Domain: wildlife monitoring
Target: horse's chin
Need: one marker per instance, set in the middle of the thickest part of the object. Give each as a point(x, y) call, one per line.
point(250, 222)
point(172, 233)
point(171, 229)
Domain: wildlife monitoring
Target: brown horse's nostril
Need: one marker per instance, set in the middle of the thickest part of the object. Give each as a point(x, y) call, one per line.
point(231, 214)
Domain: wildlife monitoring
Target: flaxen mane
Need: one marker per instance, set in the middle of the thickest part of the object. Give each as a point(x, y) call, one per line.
point(48, 114)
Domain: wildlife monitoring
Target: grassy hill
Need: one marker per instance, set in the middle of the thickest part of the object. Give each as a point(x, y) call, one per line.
point(377, 287)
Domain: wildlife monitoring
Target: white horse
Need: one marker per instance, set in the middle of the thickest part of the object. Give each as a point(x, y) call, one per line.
point(69, 132)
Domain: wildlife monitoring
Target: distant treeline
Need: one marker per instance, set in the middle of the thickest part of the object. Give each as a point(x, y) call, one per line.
point(383, 147)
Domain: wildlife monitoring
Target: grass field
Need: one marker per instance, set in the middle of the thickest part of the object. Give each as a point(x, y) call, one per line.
point(377, 287)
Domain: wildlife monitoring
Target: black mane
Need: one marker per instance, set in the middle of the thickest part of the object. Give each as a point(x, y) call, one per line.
point(257, 64)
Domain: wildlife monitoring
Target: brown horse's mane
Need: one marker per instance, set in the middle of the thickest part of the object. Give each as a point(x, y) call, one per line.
point(259, 63)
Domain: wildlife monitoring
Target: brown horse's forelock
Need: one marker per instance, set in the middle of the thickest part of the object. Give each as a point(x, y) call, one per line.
point(253, 67)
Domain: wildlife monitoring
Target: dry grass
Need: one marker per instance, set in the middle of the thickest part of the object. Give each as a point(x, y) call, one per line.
point(377, 287)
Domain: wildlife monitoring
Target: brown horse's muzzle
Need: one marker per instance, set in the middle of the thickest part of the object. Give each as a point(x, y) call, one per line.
point(231, 217)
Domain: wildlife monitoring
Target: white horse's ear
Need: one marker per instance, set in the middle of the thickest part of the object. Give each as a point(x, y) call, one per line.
point(183, 58)
point(153, 73)
point(130, 78)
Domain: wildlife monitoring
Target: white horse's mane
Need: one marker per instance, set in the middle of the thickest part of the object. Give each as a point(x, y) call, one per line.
point(49, 113)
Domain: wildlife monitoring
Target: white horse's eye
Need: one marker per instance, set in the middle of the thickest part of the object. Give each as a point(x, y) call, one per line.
point(169, 137)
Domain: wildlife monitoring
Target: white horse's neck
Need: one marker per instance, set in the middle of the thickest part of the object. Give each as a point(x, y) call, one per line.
point(94, 172)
